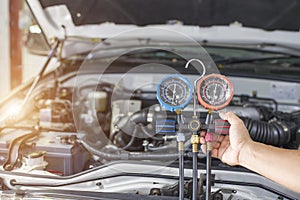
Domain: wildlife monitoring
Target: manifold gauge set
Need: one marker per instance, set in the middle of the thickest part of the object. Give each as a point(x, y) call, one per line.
point(213, 92)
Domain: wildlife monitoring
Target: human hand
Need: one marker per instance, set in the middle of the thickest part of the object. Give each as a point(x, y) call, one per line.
point(228, 148)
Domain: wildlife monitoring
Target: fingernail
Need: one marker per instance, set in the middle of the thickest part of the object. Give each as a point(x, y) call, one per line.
point(222, 115)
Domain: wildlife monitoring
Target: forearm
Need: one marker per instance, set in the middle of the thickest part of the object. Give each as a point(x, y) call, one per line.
point(279, 165)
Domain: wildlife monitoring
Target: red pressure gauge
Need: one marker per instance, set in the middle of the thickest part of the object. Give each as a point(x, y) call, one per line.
point(215, 91)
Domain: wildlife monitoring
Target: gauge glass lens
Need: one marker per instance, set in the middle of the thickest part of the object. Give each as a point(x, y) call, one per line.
point(215, 91)
point(174, 92)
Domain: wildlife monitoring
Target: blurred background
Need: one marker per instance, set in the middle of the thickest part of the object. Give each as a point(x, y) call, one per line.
point(17, 64)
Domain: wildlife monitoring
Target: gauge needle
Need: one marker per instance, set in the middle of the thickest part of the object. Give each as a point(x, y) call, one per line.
point(174, 92)
point(215, 92)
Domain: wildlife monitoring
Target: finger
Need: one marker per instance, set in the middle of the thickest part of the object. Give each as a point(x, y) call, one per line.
point(202, 140)
point(214, 153)
point(223, 147)
point(218, 137)
point(230, 117)
point(225, 142)
point(203, 148)
point(217, 145)
point(202, 133)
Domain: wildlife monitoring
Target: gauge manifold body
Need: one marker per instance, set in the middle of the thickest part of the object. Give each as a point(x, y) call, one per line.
point(174, 92)
point(214, 91)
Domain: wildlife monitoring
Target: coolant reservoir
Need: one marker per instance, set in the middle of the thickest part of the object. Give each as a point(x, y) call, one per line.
point(97, 101)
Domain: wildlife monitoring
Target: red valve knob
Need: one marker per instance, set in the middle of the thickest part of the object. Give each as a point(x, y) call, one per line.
point(209, 137)
point(221, 126)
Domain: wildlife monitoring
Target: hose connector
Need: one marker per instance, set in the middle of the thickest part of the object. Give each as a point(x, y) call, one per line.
point(195, 142)
point(180, 139)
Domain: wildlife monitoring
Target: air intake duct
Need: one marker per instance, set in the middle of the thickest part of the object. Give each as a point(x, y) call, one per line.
point(275, 133)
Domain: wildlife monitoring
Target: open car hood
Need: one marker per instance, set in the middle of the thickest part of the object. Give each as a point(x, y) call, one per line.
point(102, 124)
point(235, 25)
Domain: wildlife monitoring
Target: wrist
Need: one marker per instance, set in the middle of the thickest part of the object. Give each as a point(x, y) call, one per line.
point(245, 155)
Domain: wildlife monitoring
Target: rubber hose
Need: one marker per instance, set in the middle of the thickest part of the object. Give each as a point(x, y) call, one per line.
point(124, 155)
point(274, 133)
point(128, 124)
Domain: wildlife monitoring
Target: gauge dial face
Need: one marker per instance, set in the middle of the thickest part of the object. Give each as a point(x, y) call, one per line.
point(174, 92)
point(215, 91)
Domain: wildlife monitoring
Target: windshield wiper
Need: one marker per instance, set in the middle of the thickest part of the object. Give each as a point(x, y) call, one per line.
point(249, 60)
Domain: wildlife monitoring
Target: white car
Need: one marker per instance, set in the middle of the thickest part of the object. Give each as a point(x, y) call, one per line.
point(134, 81)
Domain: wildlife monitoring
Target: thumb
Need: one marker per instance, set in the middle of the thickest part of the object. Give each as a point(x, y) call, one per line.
point(230, 117)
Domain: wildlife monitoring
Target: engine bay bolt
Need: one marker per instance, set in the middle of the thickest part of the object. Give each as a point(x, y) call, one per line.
point(100, 185)
point(155, 191)
point(145, 145)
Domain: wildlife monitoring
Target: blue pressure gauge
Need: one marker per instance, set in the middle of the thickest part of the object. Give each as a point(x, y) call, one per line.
point(174, 92)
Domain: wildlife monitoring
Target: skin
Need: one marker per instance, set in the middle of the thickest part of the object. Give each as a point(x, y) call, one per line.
point(237, 148)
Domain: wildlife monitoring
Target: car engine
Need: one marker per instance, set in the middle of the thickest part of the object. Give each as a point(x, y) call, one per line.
point(81, 133)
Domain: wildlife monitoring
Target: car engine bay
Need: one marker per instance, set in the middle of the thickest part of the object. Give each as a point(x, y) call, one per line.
point(128, 100)
point(78, 138)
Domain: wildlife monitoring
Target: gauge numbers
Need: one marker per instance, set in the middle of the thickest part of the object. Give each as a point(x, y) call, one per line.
point(174, 92)
point(215, 91)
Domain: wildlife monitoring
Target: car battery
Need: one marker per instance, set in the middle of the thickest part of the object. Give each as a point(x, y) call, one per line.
point(64, 155)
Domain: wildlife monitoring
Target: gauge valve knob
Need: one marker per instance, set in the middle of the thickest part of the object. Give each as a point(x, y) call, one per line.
point(221, 126)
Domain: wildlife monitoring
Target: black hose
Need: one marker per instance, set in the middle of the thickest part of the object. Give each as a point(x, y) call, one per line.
point(16, 144)
point(149, 133)
point(181, 174)
point(123, 155)
point(208, 175)
point(159, 148)
point(274, 133)
point(128, 124)
point(195, 176)
point(135, 123)
point(131, 141)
